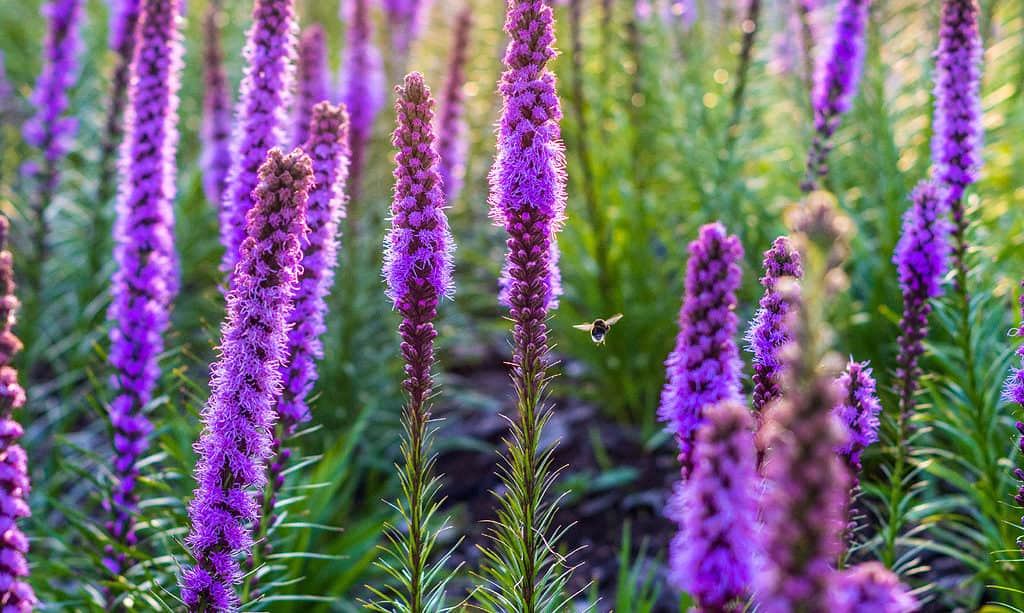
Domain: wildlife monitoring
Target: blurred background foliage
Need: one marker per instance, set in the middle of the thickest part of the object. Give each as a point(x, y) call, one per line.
point(658, 143)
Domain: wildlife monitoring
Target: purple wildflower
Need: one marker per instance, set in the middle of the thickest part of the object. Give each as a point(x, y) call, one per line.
point(362, 86)
point(216, 129)
point(956, 144)
point(704, 367)
point(327, 146)
point(144, 284)
point(15, 592)
point(768, 333)
point(1013, 391)
point(239, 417)
point(835, 84)
point(312, 80)
point(712, 555)
point(920, 260)
point(405, 18)
point(48, 129)
point(259, 116)
point(858, 410)
point(870, 586)
point(451, 129)
point(123, 22)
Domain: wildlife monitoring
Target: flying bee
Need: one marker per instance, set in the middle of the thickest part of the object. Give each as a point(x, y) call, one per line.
point(599, 328)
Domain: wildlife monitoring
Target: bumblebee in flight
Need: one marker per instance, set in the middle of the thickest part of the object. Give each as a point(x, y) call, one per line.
point(599, 328)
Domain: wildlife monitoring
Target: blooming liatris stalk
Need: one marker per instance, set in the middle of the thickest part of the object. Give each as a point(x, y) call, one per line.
point(858, 410)
point(48, 130)
point(704, 367)
point(144, 283)
point(527, 198)
point(870, 586)
point(362, 86)
point(239, 417)
point(260, 115)
point(216, 129)
point(921, 261)
point(712, 556)
point(405, 18)
point(768, 333)
point(123, 22)
point(1013, 391)
point(327, 147)
point(835, 84)
point(956, 144)
point(451, 129)
point(312, 81)
point(418, 270)
point(15, 592)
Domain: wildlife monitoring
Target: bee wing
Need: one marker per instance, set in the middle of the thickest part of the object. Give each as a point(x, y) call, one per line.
point(614, 318)
point(584, 327)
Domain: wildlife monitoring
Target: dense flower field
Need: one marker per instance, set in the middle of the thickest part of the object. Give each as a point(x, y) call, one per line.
point(531, 306)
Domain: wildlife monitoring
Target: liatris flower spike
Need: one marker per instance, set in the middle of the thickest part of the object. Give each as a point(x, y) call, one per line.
point(123, 22)
point(216, 129)
point(704, 368)
point(239, 417)
point(451, 129)
point(768, 334)
point(836, 84)
point(712, 556)
point(1013, 391)
point(858, 410)
point(870, 587)
point(957, 130)
point(260, 115)
point(405, 18)
point(15, 592)
point(418, 270)
point(362, 86)
point(312, 81)
point(144, 283)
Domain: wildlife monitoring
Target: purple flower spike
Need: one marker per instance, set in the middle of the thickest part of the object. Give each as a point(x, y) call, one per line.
point(48, 130)
point(144, 283)
point(15, 592)
point(858, 410)
point(835, 84)
point(239, 417)
point(956, 144)
point(216, 129)
point(805, 501)
point(328, 148)
point(451, 130)
point(768, 332)
point(921, 261)
point(712, 556)
point(870, 586)
point(362, 86)
point(405, 18)
point(260, 115)
point(1013, 391)
point(417, 260)
point(124, 18)
point(528, 177)
point(704, 367)
point(312, 78)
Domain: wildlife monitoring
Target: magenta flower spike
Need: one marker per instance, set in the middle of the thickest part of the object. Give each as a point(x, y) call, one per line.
point(124, 18)
point(216, 129)
point(836, 84)
point(327, 147)
point(921, 260)
point(312, 81)
point(858, 410)
point(957, 139)
point(362, 86)
point(405, 18)
point(768, 332)
point(239, 418)
point(451, 129)
point(712, 556)
point(260, 115)
point(870, 586)
point(704, 367)
point(15, 592)
point(49, 130)
point(145, 280)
